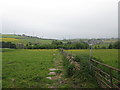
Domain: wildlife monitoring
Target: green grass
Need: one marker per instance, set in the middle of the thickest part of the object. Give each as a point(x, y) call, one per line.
point(107, 56)
point(10, 36)
point(29, 69)
point(79, 78)
point(26, 68)
point(106, 45)
point(24, 40)
point(110, 41)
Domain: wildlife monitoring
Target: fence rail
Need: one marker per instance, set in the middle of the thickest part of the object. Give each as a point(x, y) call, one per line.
point(105, 79)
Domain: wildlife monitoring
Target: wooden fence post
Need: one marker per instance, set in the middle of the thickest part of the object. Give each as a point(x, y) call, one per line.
point(90, 65)
point(110, 72)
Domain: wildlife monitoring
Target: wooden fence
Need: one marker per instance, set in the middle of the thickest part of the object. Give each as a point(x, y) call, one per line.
point(106, 76)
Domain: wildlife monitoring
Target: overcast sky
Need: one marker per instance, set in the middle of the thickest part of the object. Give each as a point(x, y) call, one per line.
point(61, 19)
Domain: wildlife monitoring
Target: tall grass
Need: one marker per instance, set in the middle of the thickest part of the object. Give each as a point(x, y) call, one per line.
point(80, 78)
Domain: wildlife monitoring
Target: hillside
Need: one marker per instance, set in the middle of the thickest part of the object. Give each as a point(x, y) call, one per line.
point(24, 39)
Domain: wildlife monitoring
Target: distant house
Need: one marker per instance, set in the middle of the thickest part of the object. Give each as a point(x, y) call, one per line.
point(94, 41)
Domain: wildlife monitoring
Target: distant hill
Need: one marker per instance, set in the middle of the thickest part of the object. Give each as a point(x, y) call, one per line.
point(24, 39)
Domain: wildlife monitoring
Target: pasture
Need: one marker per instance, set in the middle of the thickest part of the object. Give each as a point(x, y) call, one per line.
point(103, 45)
point(27, 68)
point(8, 39)
point(24, 40)
point(107, 56)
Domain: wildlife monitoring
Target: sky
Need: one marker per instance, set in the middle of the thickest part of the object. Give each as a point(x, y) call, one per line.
point(60, 19)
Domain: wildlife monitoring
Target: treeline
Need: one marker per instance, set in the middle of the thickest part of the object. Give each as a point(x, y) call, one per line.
point(58, 44)
point(7, 45)
point(116, 45)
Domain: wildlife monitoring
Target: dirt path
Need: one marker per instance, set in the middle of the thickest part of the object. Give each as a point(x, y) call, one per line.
point(56, 74)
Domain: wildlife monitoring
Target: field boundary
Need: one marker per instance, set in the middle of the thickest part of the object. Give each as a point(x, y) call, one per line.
point(105, 79)
point(71, 59)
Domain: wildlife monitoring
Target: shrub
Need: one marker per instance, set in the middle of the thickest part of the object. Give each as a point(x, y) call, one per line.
point(7, 45)
point(116, 45)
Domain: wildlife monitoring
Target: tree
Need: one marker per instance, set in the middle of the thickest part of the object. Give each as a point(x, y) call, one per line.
point(95, 47)
point(56, 42)
point(69, 42)
point(8, 45)
point(110, 46)
point(116, 45)
point(98, 46)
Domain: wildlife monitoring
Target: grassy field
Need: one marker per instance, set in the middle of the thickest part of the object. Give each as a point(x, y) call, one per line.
point(105, 45)
point(108, 56)
point(24, 68)
point(27, 68)
point(8, 39)
point(24, 40)
point(110, 41)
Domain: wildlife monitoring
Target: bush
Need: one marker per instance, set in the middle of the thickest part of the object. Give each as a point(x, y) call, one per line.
point(80, 77)
point(76, 58)
point(68, 67)
point(7, 45)
point(110, 46)
point(116, 45)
